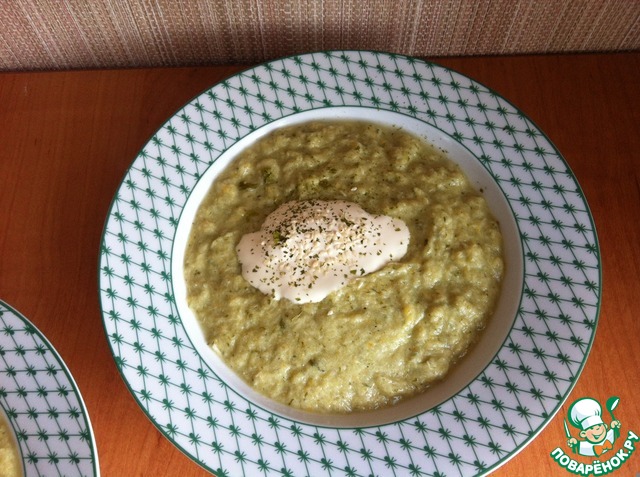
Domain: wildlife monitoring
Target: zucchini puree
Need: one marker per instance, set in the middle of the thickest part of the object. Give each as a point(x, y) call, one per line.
point(383, 335)
point(10, 461)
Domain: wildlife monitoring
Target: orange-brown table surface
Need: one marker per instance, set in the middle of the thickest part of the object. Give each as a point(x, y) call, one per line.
point(67, 138)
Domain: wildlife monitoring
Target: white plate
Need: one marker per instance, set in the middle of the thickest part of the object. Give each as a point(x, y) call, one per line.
point(488, 411)
point(42, 403)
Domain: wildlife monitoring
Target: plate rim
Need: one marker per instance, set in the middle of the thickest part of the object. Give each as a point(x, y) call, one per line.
point(74, 385)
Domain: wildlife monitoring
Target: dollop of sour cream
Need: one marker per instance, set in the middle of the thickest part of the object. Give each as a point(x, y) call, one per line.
point(307, 249)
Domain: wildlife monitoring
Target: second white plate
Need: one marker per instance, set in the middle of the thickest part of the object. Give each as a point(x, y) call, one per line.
point(42, 403)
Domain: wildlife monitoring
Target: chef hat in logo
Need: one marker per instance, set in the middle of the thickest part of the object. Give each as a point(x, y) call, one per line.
point(585, 413)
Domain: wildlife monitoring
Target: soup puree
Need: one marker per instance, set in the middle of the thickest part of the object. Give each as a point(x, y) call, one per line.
point(381, 337)
point(10, 463)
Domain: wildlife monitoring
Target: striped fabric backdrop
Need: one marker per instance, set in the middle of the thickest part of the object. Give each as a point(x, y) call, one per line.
point(68, 34)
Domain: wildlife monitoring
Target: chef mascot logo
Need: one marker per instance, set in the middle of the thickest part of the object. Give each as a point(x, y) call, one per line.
point(594, 439)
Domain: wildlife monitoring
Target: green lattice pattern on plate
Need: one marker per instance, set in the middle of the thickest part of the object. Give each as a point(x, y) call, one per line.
point(471, 433)
point(42, 403)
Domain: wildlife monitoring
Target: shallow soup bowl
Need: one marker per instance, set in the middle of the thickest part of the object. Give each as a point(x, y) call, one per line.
point(491, 404)
point(463, 372)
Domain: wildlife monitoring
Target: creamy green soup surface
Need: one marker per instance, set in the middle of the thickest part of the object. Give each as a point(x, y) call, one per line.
point(382, 336)
point(10, 463)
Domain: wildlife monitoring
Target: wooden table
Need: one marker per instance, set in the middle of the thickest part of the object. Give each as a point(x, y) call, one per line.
point(66, 139)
